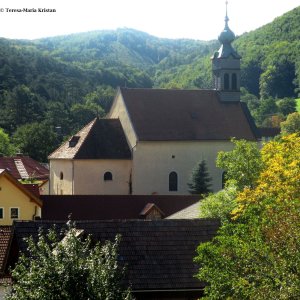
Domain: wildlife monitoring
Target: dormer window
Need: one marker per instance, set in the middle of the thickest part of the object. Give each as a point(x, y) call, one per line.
point(73, 141)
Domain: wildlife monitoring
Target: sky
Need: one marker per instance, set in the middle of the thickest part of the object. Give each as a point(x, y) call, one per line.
point(193, 19)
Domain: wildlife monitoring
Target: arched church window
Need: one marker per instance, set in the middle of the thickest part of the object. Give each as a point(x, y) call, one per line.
point(61, 176)
point(234, 81)
point(173, 182)
point(226, 81)
point(107, 176)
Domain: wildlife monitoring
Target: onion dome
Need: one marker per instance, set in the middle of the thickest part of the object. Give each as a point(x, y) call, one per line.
point(226, 37)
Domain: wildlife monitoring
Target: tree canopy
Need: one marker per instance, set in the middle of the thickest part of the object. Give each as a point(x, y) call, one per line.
point(242, 165)
point(68, 268)
point(256, 255)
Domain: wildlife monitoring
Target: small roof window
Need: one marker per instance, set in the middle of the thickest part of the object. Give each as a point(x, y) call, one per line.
point(73, 141)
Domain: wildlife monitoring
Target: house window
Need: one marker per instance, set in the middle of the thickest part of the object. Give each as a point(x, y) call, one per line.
point(234, 81)
point(61, 176)
point(173, 182)
point(108, 176)
point(1, 213)
point(14, 213)
point(226, 81)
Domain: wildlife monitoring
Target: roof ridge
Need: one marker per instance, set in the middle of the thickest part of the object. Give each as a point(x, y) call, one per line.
point(78, 133)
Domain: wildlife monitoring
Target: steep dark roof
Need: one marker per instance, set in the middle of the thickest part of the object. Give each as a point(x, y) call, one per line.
point(107, 207)
point(33, 168)
point(161, 114)
point(5, 239)
point(100, 139)
point(158, 254)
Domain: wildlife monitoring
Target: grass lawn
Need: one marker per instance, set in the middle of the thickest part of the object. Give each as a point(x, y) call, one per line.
point(298, 105)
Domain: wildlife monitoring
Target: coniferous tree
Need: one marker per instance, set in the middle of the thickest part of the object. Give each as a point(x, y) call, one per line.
point(200, 180)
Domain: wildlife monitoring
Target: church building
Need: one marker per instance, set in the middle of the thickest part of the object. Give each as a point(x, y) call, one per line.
point(152, 139)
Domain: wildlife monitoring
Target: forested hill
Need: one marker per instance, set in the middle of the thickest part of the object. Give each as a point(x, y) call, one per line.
point(56, 85)
point(271, 57)
point(128, 49)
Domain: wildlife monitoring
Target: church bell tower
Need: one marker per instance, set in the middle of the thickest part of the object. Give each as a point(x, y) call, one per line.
point(226, 66)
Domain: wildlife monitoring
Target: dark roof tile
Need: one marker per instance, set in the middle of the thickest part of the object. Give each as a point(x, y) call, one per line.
point(107, 207)
point(100, 139)
point(158, 254)
point(162, 115)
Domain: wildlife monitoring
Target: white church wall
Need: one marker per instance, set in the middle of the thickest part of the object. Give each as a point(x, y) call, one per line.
point(58, 185)
point(153, 162)
point(89, 177)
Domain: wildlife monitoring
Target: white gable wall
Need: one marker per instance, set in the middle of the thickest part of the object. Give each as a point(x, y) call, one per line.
point(58, 186)
point(119, 111)
point(86, 177)
point(89, 177)
point(153, 162)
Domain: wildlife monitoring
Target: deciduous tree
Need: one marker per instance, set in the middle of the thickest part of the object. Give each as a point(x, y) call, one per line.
point(72, 268)
point(242, 165)
point(257, 254)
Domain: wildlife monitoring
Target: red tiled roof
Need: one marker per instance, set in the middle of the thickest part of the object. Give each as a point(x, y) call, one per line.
point(161, 114)
point(5, 239)
point(149, 207)
point(100, 139)
point(158, 254)
point(107, 207)
point(33, 168)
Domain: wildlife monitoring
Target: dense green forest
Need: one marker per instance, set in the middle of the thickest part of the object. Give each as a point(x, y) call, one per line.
point(53, 86)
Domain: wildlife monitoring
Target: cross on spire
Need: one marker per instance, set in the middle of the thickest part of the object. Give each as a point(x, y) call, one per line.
point(226, 17)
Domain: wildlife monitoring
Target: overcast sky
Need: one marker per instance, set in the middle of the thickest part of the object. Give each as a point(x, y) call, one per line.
point(196, 19)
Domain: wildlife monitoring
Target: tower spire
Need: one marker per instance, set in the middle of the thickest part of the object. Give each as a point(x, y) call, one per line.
point(226, 16)
point(226, 65)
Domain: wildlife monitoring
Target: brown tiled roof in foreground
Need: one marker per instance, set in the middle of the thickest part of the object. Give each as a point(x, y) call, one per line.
point(158, 254)
point(107, 207)
point(5, 239)
point(163, 115)
point(100, 139)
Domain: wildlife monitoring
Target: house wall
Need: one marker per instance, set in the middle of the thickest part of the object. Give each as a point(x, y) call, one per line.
point(89, 177)
point(119, 111)
point(153, 162)
point(12, 196)
point(58, 186)
point(44, 188)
